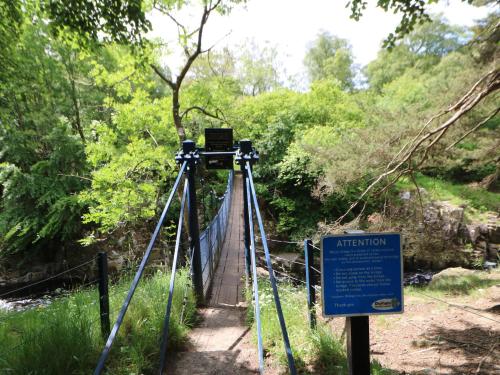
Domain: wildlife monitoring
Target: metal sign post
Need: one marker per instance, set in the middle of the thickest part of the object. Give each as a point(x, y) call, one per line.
point(362, 275)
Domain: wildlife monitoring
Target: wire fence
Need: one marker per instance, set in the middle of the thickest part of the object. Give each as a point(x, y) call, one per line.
point(52, 277)
point(212, 238)
point(287, 276)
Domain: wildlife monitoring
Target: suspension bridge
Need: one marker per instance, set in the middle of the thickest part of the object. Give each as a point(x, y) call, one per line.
point(221, 259)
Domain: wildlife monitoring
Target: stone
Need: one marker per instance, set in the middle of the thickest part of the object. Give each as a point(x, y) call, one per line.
point(115, 262)
point(473, 232)
point(483, 229)
point(494, 233)
point(405, 195)
point(452, 272)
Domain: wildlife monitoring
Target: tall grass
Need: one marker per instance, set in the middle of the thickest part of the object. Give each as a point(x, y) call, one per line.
point(458, 285)
point(317, 351)
point(65, 338)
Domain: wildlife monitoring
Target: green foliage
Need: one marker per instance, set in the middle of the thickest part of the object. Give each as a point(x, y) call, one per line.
point(122, 21)
point(69, 329)
point(421, 49)
point(330, 57)
point(38, 206)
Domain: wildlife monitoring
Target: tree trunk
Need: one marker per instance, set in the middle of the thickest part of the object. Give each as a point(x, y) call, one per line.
point(77, 124)
point(181, 132)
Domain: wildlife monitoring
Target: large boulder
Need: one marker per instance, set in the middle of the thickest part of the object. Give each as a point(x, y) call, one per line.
point(453, 272)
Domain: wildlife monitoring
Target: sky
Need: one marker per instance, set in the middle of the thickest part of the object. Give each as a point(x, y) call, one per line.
point(290, 25)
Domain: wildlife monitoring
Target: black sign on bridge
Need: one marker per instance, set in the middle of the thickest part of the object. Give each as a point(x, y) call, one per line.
point(218, 140)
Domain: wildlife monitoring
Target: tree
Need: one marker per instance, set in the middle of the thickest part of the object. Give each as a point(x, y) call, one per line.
point(258, 68)
point(122, 21)
point(330, 57)
point(191, 43)
point(422, 48)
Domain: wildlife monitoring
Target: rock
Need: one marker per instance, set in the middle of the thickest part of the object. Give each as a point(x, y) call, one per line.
point(473, 232)
point(115, 262)
point(494, 233)
point(5, 306)
point(483, 229)
point(482, 245)
point(452, 272)
point(375, 218)
point(489, 265)
point(405, 195)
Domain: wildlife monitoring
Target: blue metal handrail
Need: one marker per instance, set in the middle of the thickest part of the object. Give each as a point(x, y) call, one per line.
point(107, 347)
point(277, 302)
point(212, 238)
point(166, 324)
point(255, 281)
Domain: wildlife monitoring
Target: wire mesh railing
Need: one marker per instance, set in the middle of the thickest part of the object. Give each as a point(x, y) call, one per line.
point(212, 238)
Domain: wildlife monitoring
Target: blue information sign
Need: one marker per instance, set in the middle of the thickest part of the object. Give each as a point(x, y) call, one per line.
point(362, 274)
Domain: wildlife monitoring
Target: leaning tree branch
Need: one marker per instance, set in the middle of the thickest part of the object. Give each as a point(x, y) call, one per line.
point(423, 143)
point(484, 121)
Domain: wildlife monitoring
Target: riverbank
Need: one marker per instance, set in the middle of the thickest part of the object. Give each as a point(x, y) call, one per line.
point(64, 337)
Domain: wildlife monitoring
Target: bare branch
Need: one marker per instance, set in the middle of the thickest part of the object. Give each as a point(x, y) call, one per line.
point(486, 85)
point(484, 121)
point(414, 180)
point(216, 116)
point(217, 42)
point(163, 76)
point(184, 33)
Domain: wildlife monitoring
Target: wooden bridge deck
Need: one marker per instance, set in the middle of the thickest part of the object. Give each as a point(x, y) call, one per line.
point(220, 344)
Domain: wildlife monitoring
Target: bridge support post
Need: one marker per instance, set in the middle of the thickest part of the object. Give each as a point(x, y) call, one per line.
point(188, 149)
point(245, 149)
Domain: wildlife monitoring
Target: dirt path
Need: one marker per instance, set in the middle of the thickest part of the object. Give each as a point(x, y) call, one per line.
point(434, 337)
point(220, 344)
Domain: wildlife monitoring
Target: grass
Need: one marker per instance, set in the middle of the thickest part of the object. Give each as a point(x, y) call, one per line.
point(315, 352)
point(478, 199)
point(64, 337)
point(458, 285)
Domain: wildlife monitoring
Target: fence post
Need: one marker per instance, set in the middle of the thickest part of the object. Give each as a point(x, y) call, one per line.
point(188, 148)
point(102, 264)
point(310, 282)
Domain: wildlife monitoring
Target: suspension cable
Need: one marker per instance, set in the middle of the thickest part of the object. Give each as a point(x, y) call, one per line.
point(107, 348)
point(277, 302)
point(255, 281)
point(163, 347)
